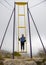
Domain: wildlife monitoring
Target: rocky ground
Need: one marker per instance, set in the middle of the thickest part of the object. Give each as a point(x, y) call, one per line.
point(20, 60)
point(23, 61)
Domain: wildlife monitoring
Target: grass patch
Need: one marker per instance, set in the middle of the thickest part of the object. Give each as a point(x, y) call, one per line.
point(1, 63)
point(44, 60)
point(7, 56)
point(16, 54)
point(38, 63)
point(42, 54)
point(30, 60)
point(1, 58)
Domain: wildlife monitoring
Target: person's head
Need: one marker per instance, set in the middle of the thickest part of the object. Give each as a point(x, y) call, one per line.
point(22, 35)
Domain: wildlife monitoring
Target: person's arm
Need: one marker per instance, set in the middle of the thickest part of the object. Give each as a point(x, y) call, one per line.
point(18, 38)
point(25, 39)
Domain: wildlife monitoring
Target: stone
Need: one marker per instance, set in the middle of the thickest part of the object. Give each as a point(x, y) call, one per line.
point(19, 62)
point(30, 63)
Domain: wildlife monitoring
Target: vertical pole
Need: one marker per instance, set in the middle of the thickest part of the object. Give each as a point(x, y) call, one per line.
point(18, 28)
point(14, 31)
point(29, 32)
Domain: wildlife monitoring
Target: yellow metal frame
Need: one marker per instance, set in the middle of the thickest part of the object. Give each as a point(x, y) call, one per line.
point(21, 15)
point(23, 4)
point(18, 28)
point(21, 27)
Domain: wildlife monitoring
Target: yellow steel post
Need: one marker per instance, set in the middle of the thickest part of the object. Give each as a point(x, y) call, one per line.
point(21, 27)
point(25, 28)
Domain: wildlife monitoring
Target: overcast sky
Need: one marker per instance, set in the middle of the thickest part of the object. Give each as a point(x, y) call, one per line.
point(39, 15)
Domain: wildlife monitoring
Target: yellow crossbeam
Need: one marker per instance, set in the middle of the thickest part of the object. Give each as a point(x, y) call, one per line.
point(21, 14)
point(21, 3)
point(22, 51)
point(21, 27)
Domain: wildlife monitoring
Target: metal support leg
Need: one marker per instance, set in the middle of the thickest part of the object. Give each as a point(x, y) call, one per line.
point(6, 29)
point(37, 31)
point(29, 32)
point(14, 31)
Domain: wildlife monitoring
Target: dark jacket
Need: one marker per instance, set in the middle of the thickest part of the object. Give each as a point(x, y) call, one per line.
point(22, 39)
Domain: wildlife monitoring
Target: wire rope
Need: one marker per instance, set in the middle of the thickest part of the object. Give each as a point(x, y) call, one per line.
point(6, 29)
point(37, 31)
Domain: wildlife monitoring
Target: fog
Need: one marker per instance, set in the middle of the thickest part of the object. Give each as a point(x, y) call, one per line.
point(39, 14)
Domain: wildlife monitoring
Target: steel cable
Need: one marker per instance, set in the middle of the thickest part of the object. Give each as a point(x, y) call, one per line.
point(37, 31)
point(6, 29)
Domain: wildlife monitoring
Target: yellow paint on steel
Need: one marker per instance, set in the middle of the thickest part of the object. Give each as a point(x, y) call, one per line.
point(22, 51)
point(21, 27)
point(21, 3)
point(18, 28)
point(25, 28)
point(21, 15)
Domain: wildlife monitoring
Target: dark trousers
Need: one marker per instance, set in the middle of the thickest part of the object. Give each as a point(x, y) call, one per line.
point(22, 45)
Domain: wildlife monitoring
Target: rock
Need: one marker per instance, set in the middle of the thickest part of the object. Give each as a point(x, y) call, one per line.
point(19, 62)
point(12, 62)
point(30, 63)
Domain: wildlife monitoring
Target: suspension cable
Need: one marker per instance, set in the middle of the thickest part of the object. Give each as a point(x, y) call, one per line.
point(4, 5)
point(8, 3)
point(6, 29)
point(37, 31)
point(38, 4)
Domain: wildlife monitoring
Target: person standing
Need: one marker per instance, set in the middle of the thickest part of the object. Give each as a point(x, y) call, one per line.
point(22, 40)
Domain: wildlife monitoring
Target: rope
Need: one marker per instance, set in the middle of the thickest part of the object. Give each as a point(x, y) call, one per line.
point(37, 31)
point(6, 29)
